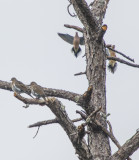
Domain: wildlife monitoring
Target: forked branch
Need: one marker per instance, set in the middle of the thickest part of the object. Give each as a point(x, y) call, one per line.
point(61, 115)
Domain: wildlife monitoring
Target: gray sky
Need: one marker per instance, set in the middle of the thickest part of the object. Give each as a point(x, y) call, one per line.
point(31, 51)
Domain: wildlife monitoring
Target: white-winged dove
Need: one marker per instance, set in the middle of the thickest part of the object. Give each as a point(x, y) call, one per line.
point(112, 64)
point(37, 91)
point(75, 41)
point(18, 87)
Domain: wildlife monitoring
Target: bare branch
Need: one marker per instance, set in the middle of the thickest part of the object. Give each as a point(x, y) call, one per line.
point(80, 73)
point(59, 110)
point(74, 27)
point(77, 120)
point(110, 127)
point(51, 121)
point(5, 85)
point(81, 114)
point(127, 149)
point(77, 98)
point(123, 61)
point(127, 57)
point(108, 133)
point(62, 94)
point(49, 92)
point(30, 101)
point(92, 114)
point(38, 124)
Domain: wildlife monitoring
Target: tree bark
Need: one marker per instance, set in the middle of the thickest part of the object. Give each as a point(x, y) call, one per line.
point(96, 75)
point(96, 72)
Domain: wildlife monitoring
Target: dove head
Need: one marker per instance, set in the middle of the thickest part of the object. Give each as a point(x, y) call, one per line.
point(13, 79)
point(76, 33)
point(33, 83)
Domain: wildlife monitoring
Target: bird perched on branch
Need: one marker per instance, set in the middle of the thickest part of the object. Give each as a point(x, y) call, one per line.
point(75, 41)
point(112, 63)
point(37, 91)
point(18, 87)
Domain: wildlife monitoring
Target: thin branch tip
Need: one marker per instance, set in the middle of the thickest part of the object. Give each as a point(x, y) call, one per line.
point(123, 61)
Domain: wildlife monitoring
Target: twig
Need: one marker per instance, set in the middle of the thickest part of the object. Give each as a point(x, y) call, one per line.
point(51, 121)
point(38, 124)
point(108, 133)
point(74, 27)
point(110, 127)
point(80, 73)
point(92, 114)
point(30, 101)
point(72, 15)
point(88, 119)
point(127, 57)
point(36, 132)
point(123, 61)
point(83, 56)
point(111, 131)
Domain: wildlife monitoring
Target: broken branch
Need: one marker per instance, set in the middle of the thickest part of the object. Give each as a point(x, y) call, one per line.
point(80, 73)
point(74, 27)
point(38, 124)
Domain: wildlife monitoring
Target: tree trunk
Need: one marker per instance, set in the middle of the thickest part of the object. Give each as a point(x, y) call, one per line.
point(96, 75)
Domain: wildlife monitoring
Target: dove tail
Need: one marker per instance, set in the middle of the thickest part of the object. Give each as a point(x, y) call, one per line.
point(112, 66)
point(76, 51)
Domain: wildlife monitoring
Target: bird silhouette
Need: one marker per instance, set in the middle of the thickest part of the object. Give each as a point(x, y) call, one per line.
point(75, 41)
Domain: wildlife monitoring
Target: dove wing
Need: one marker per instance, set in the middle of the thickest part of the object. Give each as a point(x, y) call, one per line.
point(82, 41)
point(66, 37)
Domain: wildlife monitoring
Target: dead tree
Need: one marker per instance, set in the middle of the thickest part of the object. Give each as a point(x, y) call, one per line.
point(93, 101)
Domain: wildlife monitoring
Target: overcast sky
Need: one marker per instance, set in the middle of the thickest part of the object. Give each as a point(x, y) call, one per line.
point(31, 51)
